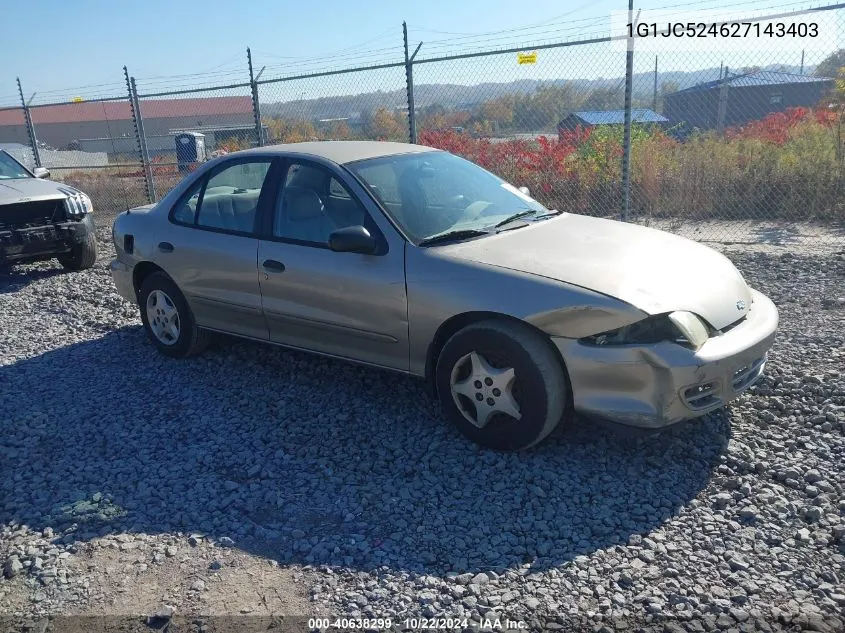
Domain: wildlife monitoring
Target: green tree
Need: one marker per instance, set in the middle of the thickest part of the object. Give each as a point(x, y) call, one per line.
point(340, 131)
point(666, 88)
point(234, 144)
point(546, 107)
point(830, 65)
point(290, 131)
point(385, 125)
point(433, 117)
point(499, 110)
point(602, 99)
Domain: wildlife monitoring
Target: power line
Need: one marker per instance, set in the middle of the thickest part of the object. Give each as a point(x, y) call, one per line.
point(542, 33)
point(380, 37)
point(578, 25)
point(522, 28)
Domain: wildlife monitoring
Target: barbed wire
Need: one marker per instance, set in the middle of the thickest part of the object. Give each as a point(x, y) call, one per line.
point(555, 29)
point(386, 34)
point(352, 56)
point(487, 40)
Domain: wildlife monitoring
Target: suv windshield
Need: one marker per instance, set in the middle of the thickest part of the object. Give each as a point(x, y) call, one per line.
point(432, 193)
point(11, 169)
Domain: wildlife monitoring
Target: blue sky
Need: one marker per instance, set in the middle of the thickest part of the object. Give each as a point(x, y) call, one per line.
point(61, 48)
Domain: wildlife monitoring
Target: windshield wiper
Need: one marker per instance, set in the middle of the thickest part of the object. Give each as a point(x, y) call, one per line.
point(515, 216)
point(450, 236)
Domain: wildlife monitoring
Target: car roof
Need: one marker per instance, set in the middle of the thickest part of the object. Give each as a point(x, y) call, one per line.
point(342, 152)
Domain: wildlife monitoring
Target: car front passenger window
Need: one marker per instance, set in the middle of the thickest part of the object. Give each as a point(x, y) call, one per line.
point(313, 204)
point(301, 215)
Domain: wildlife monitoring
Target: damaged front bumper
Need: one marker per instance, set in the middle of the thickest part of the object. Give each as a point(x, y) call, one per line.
point(653, 386)
point(43, 241)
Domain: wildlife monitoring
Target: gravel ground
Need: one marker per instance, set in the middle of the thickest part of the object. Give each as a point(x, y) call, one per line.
point(254, 480)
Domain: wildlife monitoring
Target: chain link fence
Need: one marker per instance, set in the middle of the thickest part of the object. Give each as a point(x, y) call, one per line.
point(751, 148)
point(368, 103)
point(182, 129)
point(91, 145)
point(730, 146)
point(16, 140)
point(516, 119)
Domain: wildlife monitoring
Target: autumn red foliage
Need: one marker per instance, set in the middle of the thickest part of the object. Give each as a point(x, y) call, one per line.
point(786, 165)
point(545, 154)
point(776, 127)
point(580, 170)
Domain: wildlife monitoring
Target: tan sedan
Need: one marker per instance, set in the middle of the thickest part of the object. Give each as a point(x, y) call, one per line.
point(413, 259)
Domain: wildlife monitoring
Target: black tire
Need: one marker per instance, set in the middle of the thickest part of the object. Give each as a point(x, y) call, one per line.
point(540, 387)
point(192, 340)
point(82, 255)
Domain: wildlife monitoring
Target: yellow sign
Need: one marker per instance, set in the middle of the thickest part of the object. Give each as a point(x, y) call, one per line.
point(77, 99)
point(526, 58)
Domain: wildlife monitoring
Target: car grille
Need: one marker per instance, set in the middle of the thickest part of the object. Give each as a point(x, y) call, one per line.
point(35, 213)
point(744, 377)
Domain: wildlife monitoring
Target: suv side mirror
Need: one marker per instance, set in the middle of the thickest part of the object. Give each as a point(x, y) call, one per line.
point(525, 190)
point(41, 172)
point(352, 239)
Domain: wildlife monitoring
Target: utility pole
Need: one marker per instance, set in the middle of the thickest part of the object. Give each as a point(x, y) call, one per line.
point(723, 105)
point(654, 100)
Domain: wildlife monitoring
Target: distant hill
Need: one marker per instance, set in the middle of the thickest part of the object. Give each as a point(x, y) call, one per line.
point(457, 96)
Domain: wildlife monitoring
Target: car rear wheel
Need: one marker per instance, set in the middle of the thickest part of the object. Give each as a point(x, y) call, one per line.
point(168, 319)
point(82, 255)
point(502, 385)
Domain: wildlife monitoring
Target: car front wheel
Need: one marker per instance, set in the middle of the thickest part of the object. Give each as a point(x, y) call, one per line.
point(168, 319)
point(82, 255)
point(501, 384)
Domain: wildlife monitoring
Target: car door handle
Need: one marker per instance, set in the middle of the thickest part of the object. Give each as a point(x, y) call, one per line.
point(271, 265)
point(165, 247)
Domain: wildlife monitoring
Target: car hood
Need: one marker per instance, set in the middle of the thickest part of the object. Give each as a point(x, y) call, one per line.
point(652, 270)
point(14, 189)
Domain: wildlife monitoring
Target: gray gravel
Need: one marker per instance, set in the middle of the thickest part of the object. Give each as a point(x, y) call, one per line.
point(349, 476)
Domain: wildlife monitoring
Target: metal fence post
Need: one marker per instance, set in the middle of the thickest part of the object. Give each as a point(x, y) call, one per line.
point(137, 124)
point(148, 168)
point(30, 127)
point(409, 80)
point(626, 144)
point(256, 106)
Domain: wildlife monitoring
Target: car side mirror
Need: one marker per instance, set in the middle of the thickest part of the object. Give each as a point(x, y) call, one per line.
point(525, 190)
point(41, 172)
point(352, 239)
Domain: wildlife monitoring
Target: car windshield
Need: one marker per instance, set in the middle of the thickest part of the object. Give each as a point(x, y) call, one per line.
point(433, 193)
point(11, 169)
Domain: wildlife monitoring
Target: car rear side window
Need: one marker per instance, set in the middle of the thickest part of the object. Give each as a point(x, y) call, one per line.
point(185, 211)
point(227, 201)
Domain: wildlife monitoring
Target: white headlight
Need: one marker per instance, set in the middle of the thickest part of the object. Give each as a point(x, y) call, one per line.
point(86, 203)
point(691, 327)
